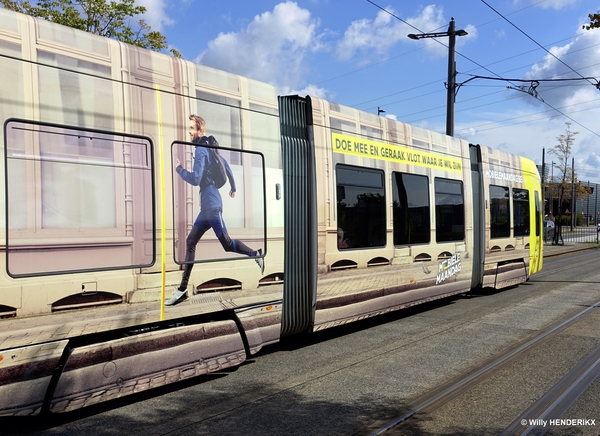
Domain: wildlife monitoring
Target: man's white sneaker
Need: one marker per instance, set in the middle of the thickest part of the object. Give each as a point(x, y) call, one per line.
point(260, 260)
point(177, 297)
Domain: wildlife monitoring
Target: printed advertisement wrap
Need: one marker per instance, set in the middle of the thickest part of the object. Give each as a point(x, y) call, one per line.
point(354, 146)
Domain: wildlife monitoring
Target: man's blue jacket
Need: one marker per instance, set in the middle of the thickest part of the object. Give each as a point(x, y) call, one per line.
point(210, 198)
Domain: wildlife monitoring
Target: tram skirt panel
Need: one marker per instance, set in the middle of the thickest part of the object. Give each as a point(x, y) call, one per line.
point(25, 375)
point(504, 274)
point(114, 369)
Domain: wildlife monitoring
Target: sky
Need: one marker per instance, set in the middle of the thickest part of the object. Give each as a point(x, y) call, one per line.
point(357, 53)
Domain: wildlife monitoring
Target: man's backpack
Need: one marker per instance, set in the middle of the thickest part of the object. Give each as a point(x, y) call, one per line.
point(217, 164)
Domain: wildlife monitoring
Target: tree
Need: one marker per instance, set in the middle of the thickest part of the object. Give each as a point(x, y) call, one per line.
point(102, 17)
point(565, 184)
point(594, 22)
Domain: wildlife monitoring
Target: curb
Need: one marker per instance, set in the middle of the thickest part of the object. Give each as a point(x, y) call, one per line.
point(568, 249)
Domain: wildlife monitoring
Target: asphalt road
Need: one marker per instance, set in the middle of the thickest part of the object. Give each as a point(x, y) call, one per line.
point(351, 379)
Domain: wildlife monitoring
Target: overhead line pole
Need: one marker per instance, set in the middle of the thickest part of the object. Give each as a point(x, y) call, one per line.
point(573, 201)
point(451, 84)
point(451, 98)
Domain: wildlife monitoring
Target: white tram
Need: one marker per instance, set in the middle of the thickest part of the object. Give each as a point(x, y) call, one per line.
point(354, 215)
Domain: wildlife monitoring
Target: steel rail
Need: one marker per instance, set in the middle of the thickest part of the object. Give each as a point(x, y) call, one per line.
point(428, 403)
point(558, 399)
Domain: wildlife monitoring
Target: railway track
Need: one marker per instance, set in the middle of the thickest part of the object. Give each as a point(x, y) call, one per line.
point(536, 418)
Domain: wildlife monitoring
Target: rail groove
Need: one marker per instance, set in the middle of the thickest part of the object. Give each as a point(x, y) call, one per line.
point(432, 401)
point(558, 399)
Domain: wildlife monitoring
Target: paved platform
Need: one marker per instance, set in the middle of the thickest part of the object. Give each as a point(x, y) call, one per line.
point(568, 247)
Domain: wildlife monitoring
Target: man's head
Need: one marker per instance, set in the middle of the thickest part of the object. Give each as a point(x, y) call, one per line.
point(197, 127)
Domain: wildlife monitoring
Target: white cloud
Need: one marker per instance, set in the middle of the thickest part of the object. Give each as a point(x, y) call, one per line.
point(536, 124)
point(313, 90)
point(376, 37)
point(579, 101)
point(272, 48)
point(501, 35)
point(525, 132)
point(549, 4)
point(579, 58)
point(156, 15)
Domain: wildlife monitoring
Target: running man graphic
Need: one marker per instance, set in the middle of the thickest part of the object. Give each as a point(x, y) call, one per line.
point(211, 207)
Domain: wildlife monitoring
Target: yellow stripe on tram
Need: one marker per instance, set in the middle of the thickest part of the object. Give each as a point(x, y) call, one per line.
point(163, 232)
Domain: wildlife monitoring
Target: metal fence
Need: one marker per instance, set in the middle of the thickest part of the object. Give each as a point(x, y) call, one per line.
point(564, 234)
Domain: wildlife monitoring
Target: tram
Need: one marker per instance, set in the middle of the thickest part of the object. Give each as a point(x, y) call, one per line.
point(348, 215)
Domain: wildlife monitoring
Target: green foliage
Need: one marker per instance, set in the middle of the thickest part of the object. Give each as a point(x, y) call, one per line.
point(102, 17)
point(594, 22)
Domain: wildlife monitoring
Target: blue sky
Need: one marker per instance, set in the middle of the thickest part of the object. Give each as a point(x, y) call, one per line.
point(354, 53)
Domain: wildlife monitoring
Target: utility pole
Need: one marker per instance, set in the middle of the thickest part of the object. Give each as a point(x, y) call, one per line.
point(552, 190)
point(587, 214)
point(452, 33)
point(573, 203)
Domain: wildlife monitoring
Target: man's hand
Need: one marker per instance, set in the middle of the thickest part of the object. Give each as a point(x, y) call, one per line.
point(232, 194)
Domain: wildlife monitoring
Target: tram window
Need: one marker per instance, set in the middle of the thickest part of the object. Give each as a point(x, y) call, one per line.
point(85, 197)
point(521, 212)
point(412, 217)
point(449, 211)
point(246, 214)
point(360, 207)
point(499, 212)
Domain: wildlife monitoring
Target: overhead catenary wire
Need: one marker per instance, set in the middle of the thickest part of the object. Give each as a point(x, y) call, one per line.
point(534, 41)
point(439, 42)
point(435, 39)
point(406, 117)
point(493, 63)
point(520, 117)
point(481, 96)
point(487, 69)
point(563, 114)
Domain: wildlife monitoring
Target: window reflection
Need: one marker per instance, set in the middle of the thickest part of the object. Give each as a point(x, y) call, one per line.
point(360, 207)
point(412, 219)
point(499, 212)
point(449, 211)
point(521, 212)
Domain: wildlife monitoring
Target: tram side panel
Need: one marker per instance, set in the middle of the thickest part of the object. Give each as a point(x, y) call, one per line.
point(86, 120)
point(84, 81)
point(72, 80)
point(16, 75)
point(512, 191)
point(394, 214)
